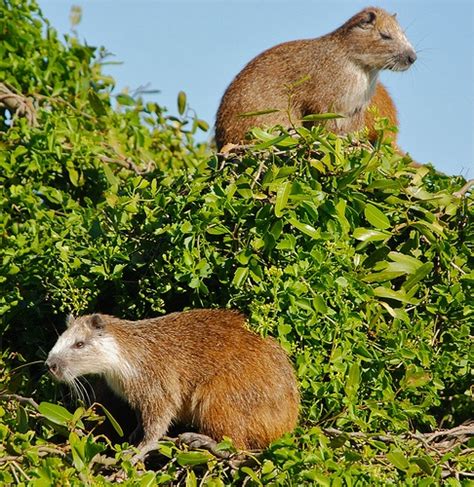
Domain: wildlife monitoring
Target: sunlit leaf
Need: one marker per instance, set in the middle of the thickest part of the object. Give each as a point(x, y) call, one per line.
point(55, 413)
point(376, 217)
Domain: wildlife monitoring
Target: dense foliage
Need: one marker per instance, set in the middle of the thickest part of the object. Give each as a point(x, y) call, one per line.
point(356, 262)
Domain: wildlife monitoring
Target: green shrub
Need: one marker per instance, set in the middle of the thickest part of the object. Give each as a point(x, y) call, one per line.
point(356, 262)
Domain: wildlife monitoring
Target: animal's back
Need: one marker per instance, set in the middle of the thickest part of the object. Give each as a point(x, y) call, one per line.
point(336, 72)
point(264, 84)
point(209, 340)
point(232, 373)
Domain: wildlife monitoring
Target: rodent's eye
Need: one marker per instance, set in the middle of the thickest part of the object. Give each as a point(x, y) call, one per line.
point(79, 344)
point(385, 36)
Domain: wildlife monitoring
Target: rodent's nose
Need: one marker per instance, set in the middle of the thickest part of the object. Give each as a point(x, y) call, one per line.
point(53, 365)
point(411, 56)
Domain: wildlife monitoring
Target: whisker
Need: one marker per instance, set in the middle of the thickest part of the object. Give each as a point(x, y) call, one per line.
point(91, 389)
point(43, 351)
point(86, 399)
point(34, 362)
point(80, 391)
point(56, 330)
point(76, 393)
point(409, 25)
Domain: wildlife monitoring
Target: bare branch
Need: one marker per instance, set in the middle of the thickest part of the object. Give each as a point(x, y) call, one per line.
point(358, 434)
point(17, 104)
point(450, 438)
point(20, 399)
point(460, 193)
point(129, 164)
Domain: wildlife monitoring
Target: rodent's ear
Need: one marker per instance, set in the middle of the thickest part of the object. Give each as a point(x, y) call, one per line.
point(367, 19)
point(69, 320)
point(96, 322)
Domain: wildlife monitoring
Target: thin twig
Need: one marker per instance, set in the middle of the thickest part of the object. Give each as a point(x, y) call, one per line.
point(17, 104)
point(461, 192)
point(14, 472)
point(461, 430)
point(129, 164)
point(453, 437)
point(10, 458)
point(46, 450)
point(255, 178)
point(20, 399)
point(230, 149)
point(27, 477)
point(358, 434)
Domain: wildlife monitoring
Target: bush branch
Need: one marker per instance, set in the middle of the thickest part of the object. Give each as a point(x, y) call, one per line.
point(20, 399)
point(461, 192)
point(17, 104)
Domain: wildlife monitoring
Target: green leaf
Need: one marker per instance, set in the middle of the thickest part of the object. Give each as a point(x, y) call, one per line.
point(111, 178)
point(317, 477)
point(260, 134)
point(382, 276)
point(258, 113)
point(425, 463)
point(282, 197)
point(217, 230)
point(397, 458)
point(73, 176)
point(181, 102)
point(75, 15)
point(341, 213)
point(369, 235)
point(429, 229)
point(403, 263)
point(276, 229)
point(76, 419)
point(22, 419)
point(305, 228)
point(191, 479)
point(316, 117)
point(418, 275)
point(125, 99)
point(376, 217)
point(280, 140)
point(250, 473)
point(353, 380)
point(203, 125)
point(415, 377)
point(112, 420)
point(148, 479)
point(78, 451)
point(164, 479)
point(287, 142)
point(96, 104)
point(167, 449)
point(55, 413)
point(401, 296)
point(284, 329)
point(240, 276)
point(193, 458)
point(320, 304)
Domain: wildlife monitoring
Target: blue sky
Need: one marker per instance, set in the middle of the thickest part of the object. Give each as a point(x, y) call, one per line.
point(199, 47)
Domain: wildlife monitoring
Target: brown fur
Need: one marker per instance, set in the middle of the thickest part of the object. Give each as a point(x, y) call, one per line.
point(200, 367)
point(333, 73)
